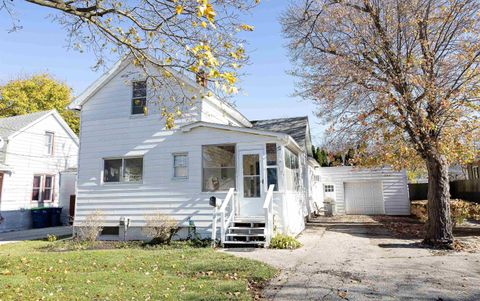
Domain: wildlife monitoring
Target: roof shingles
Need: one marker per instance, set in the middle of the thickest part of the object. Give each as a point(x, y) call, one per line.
point(296, 127)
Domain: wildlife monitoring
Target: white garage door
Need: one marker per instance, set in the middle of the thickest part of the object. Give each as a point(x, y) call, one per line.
point(364, 198)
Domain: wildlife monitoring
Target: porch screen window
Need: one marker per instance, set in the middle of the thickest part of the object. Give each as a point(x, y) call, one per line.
point(218, 167)
point(272, 168)
point(180, 166)
point(123, 170)
point(292, 171)
point(139, 97)
point(43, 186)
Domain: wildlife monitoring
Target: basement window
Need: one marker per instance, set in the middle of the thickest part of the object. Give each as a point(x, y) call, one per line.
point(111, 231)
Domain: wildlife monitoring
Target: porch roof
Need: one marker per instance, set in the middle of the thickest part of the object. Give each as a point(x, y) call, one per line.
point(295, 127)
point(282, 136)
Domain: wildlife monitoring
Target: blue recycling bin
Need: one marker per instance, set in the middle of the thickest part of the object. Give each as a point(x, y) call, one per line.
point(40, 218)
point(55, 216)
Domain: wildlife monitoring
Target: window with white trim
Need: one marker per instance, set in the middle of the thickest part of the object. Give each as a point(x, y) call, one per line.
point(180, 166)
point(218, 163)
point(49, 142)
point(272, 165)
point(139, 97)
point(328, 188)
point(43, 188)
point(123, 170)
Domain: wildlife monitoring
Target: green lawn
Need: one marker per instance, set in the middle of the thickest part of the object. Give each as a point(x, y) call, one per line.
point(29, 272)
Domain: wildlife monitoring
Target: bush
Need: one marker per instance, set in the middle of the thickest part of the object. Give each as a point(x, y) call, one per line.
point(90, 228)
point(51, 238)
point(281, 241)
point(161, 228)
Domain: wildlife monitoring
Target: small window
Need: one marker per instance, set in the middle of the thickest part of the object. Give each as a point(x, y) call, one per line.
point(272, 171)
point(47, 188)
point(180, 166)
point(49, 140)
point(329, 188)
point(112, 170)
point(37, 182)
point(123, 170)
point(139, 97)
point(110, 231)
point(43, 188)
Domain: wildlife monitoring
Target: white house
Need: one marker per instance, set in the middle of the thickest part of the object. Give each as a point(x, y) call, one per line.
point(131, 166)
point(35, 151)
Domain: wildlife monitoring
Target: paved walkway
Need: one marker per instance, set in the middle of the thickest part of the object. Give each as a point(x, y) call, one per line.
point(363, 262)
point(31, 234)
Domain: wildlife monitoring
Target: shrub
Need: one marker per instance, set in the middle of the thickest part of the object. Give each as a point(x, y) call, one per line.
point(161, 228)
point(51, 238)
point(90, 228)
point(281, 241)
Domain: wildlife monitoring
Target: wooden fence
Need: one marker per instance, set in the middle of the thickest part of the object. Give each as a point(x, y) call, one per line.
point(468, 190)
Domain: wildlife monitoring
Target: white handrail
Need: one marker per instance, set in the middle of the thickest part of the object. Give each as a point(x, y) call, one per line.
point(268, 207)
point(224, 219)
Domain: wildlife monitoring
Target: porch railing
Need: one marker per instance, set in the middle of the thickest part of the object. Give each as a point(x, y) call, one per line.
point(226, 213)
point(268, 208)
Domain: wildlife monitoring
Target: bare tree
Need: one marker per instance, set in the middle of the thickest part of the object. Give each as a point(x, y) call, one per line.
point(398, 77)
point(186, 36)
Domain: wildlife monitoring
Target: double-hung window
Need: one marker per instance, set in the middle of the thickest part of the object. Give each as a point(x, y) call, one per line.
point(49, 142)
point(123, 170)
point(139, 97)
point(272, 167)
point(180, 166)
point(43, 188)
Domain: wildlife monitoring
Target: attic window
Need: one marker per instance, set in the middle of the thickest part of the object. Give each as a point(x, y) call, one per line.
point(139, 97)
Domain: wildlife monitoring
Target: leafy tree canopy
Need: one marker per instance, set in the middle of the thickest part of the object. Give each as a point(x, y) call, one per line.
point(37, 93)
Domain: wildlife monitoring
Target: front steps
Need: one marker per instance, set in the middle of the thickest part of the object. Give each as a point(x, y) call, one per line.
point(246, 232)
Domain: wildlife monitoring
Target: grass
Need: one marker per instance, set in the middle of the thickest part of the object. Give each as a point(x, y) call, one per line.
point(28, 271)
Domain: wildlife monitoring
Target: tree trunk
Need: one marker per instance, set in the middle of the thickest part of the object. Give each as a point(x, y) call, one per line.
point(439, 224)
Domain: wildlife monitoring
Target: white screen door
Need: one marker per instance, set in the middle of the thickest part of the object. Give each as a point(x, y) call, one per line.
point(251, 185)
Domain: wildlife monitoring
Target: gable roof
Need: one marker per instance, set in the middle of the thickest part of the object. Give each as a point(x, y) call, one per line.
point(11, 126)
point(296, 127)
point(119, 66)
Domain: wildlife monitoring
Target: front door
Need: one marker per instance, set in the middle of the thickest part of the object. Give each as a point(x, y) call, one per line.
point(251, 192)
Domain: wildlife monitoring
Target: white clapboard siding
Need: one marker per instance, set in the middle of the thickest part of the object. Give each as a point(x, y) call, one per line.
point(26, 154)
point(395, 188)
point(159, 191)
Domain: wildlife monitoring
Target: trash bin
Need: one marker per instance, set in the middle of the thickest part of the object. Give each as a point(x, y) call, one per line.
point(55, 214)
point(40, 218)
point(329, 208)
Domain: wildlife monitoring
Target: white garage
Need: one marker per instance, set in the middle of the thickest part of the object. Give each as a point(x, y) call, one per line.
point(365, 191)
point(364, 198)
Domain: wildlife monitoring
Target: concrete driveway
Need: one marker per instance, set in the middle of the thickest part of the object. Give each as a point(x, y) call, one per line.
point(31, 234)
point(364, 262)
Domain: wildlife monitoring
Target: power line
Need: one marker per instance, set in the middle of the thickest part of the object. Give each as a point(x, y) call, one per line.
point(40, 157)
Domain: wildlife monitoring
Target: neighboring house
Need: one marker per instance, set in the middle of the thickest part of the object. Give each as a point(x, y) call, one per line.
point(131, 166)
point(35, 150)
